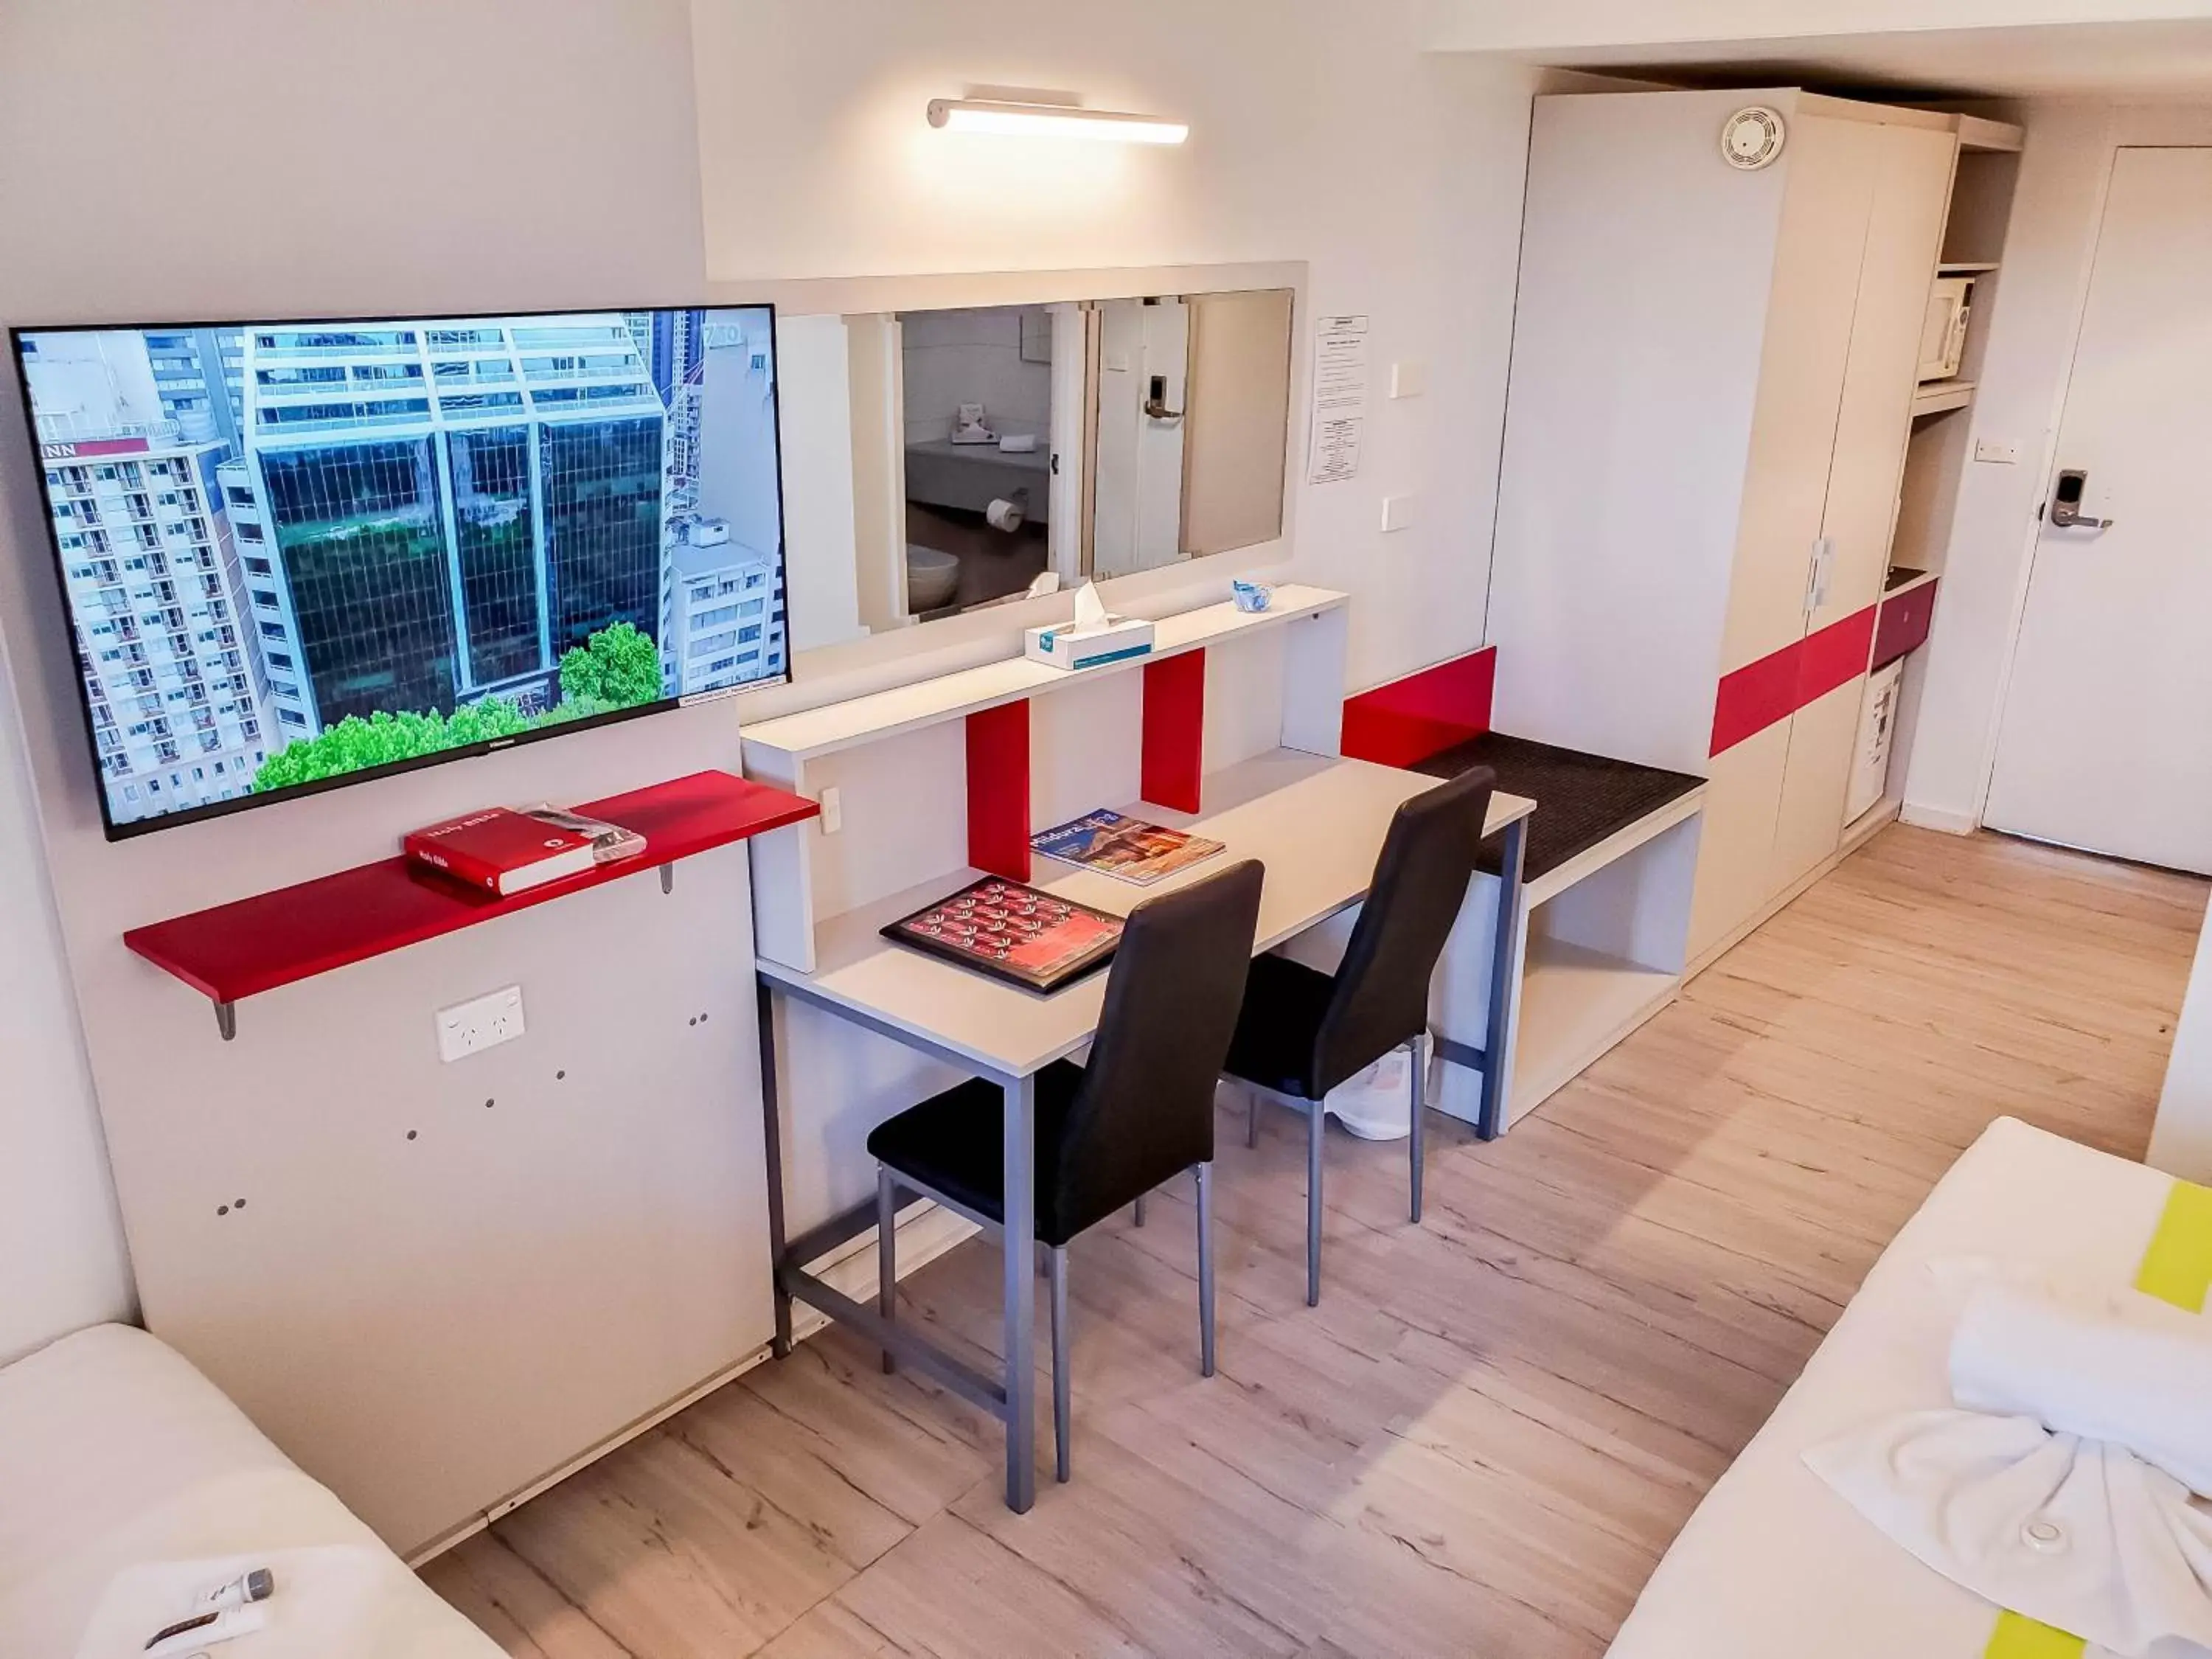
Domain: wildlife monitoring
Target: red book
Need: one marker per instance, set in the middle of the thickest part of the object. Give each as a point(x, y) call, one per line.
point(501, 851)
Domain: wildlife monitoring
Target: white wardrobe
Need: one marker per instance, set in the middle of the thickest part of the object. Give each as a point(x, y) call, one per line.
point(1713, 372)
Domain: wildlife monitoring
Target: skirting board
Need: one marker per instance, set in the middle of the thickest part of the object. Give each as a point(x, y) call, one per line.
point(1922, 816)
point(925, 1232)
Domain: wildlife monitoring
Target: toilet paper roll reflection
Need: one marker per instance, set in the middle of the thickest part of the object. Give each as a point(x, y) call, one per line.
point(1003, 515)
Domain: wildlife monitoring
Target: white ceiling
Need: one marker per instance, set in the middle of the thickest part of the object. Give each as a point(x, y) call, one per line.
point(2149, 60)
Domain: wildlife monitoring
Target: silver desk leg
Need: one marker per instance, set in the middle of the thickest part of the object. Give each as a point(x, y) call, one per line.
point(1497, 1043)
point(1018, 1239)
point(772, 1126)
point(1417, 1150)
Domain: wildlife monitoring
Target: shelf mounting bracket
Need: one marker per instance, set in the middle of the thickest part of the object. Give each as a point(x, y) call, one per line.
point(667, 878)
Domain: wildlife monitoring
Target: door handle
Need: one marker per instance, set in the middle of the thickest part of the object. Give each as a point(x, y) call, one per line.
point(2066, 503)
point(1816, 581)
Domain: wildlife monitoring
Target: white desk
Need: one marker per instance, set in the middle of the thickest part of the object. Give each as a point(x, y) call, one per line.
point(1316, 822)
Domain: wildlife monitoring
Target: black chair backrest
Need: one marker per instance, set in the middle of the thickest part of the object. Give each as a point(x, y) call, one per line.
point(1146, 1108)
point(1382, 995)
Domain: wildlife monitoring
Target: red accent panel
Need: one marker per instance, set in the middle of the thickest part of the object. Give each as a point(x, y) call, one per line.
point(1173, 760)
point(1902, 625)
point(1755, 696)
point(1835, 656)
point(998, 790)
point(1407, 720)
point(1777, 685)
point(258, 944)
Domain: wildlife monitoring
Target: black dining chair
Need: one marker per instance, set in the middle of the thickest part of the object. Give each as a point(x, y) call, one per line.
point(1139, 1111)
point(1303, 1032)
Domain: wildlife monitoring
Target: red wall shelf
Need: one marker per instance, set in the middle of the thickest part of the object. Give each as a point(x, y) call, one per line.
point(254, 945)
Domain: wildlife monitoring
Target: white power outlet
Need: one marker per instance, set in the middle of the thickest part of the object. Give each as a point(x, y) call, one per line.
point(833, 812)
point(467, 1027)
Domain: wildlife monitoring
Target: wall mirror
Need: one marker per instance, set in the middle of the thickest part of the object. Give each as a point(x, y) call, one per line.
point(998, 446)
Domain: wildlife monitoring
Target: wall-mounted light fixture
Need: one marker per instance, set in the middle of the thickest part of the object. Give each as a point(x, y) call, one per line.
point(1052, 121)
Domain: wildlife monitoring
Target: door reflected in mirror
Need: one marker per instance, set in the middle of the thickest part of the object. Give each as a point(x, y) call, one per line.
point(1002, 451)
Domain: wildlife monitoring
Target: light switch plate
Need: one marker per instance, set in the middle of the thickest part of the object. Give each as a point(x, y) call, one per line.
point(833, 812)
point(468, 1028)
point(1999, 451)
point(1409, 378)
point(1398, 512)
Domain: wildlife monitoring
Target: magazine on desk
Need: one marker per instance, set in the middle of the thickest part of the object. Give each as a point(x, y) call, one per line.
point(1012, 932)
point(1126, 848)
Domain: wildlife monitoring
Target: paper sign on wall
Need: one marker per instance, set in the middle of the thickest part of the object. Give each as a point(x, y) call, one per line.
point(1339, 398)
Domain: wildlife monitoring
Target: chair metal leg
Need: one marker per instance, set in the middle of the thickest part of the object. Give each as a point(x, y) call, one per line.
point(887, 1254)
point(1205, 1174)
point(1417, 1148)
point(1314, 1120)
point(1251, 1117)
point(1138, 1207)
point(1062, 1406)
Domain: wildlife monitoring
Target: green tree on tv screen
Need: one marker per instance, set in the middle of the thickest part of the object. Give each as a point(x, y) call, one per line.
point(618, 667)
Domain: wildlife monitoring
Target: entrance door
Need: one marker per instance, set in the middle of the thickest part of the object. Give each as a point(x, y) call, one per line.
point(2105, 740)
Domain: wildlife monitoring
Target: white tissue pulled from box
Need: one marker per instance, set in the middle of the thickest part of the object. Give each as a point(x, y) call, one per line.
point(1094, 637)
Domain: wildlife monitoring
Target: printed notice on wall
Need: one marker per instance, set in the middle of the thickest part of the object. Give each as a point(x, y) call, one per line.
point(1339, 398)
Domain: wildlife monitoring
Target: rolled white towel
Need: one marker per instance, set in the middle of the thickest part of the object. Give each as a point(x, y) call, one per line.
point(2122, 1367)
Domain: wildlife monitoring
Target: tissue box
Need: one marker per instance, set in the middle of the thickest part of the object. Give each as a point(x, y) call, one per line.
point(1071, 645)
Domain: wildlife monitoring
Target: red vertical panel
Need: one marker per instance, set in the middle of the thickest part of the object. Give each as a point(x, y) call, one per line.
point(1407, 720)
point(998, 790)
point(1902, 626)
point(1174, 755)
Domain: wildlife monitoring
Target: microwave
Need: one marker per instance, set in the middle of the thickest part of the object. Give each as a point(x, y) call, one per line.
point(1943, 332)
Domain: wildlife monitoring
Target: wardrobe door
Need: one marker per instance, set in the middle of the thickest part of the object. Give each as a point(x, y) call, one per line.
point(1905, 236)
point(1833, 164)
point(1736, 844)
point(1809, 824)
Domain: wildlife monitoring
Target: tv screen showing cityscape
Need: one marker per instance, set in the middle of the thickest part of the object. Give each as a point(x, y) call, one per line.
point(294, 554)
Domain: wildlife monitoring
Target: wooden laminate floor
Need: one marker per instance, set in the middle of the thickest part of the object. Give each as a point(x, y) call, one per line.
point(1485, 1436)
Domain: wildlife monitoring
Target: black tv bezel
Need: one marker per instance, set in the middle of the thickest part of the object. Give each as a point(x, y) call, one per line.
point(136, 827)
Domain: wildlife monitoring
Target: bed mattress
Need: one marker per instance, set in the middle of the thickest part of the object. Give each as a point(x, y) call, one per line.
point(115, 1453)
point(1775, 1563)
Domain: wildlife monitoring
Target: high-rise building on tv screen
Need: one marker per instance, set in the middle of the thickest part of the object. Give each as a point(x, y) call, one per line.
point(297, 552)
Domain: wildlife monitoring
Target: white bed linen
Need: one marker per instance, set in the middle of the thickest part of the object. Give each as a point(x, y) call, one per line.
point(1774, 1563)
point(115, 1452)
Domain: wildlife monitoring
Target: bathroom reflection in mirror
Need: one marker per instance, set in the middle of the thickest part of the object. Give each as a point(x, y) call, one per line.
point(1004, 450)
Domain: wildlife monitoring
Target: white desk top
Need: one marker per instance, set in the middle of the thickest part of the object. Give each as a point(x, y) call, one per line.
point(1316, 822)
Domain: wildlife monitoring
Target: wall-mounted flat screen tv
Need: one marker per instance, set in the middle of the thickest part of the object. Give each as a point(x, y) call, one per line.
point(296, 555)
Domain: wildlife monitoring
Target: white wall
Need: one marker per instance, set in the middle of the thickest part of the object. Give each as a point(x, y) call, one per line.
point(59, 1238)
point(370, 156)
point(2034, 315)
point(1316, 134)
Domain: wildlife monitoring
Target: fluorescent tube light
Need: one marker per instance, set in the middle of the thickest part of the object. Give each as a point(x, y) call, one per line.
point(1052, 121)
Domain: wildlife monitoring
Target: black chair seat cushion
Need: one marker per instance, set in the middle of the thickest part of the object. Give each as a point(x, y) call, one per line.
point(1279, 1028)
point(955, 1143)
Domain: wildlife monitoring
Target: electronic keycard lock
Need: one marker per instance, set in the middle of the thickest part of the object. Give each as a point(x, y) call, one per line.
point(2066, 503)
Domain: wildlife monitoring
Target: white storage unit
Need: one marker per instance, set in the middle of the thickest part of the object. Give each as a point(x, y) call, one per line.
point(1877, 725)
point(1714, 370)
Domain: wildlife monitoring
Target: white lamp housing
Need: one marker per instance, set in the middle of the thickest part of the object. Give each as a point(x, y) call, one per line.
point(1052, 121)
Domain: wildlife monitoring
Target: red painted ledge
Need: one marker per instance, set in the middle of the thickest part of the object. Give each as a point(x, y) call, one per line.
point(255, 945)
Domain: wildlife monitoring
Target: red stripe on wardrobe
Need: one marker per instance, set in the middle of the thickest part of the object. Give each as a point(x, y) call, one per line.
point(1763, 693)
